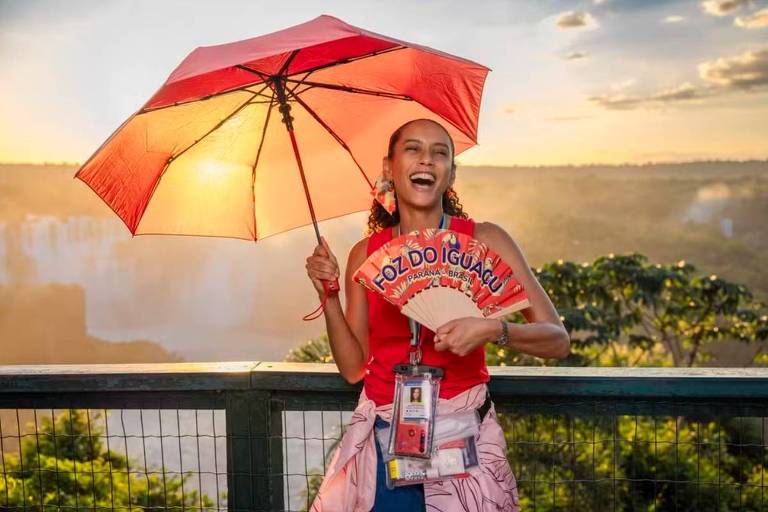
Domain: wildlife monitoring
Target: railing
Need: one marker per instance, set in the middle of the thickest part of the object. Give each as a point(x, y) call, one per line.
point(254, 436)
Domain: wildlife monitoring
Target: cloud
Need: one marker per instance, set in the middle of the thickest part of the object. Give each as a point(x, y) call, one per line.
point(746, 72)
point(567, 118)
point(683, 92)
point(742, 72)
point(722, 7)
point(756, 20)
point(576, 56)
point(673, 19)
point(623, 84)
point(616, 101)
point(576, 19)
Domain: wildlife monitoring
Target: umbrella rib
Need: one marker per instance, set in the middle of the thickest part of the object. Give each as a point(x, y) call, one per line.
point(302, 91)
point(353, 59)
point(222, 93)
point(288, 61)
point(216, 127)
point(261, 74)
point(334, 135)
point(256, 163)
point(284, 68)
point(299, 83)
point(356, 90)
point(258, 93)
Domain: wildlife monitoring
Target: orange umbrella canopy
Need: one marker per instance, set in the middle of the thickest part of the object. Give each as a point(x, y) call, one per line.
point(209, 153)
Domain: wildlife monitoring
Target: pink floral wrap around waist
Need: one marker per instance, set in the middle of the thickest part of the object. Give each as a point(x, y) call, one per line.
point(350, 480)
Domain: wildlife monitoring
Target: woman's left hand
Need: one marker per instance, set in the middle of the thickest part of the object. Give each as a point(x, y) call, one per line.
point(463, 335)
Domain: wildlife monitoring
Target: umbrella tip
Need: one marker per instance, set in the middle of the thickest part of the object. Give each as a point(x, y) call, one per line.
point(331, 17)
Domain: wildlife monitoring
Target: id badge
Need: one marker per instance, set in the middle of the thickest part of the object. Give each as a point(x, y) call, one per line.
point(413, 415)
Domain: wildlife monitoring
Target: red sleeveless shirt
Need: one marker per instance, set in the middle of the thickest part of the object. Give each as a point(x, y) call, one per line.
point(389, 339)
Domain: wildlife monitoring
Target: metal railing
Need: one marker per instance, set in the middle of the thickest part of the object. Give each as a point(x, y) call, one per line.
point(255, 436)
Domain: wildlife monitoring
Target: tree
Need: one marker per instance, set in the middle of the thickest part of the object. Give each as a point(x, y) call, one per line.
point(623, 311)
point(317, 350)
point(66, 465)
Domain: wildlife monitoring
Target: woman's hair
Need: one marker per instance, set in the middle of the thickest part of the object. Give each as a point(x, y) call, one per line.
point(379, 218)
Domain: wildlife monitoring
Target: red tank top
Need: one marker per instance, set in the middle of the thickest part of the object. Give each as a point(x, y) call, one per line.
point(389, 339)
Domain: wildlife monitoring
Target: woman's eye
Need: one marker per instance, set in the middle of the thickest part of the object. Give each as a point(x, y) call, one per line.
point(411, 148)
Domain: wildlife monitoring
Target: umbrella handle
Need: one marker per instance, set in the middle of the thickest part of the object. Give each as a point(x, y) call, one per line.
point(331, 287)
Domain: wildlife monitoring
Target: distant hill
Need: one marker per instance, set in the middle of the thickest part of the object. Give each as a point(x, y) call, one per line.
point(45, 190)
point(45, 324)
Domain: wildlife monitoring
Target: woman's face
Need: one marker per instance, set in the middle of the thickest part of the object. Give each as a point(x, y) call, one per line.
point(421, 165)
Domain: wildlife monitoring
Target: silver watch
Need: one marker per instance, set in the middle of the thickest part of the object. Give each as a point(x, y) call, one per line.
point(503, 338)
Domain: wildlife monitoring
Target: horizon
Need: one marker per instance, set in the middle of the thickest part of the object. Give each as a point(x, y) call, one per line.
point(504, 166)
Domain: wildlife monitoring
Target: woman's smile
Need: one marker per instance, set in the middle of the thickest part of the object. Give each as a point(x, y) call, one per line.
point(423, 181)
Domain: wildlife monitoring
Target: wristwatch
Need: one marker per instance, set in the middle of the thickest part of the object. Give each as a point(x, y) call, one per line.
point(503, 338)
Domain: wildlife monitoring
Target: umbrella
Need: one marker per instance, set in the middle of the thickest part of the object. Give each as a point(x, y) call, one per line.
point(256, 137)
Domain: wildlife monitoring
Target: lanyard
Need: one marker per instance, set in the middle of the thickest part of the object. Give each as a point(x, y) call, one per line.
point(415, 349)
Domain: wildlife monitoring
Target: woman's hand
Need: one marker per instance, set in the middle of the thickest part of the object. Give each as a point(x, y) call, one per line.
point(322, 266)
point(464, 335)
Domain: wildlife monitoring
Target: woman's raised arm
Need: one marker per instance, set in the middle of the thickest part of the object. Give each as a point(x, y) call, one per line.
point(347, 331)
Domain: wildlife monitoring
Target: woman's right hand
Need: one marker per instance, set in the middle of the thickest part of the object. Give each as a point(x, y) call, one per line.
point(322, 266)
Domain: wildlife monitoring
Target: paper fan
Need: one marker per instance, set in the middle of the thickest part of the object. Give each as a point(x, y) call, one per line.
point(437, 275)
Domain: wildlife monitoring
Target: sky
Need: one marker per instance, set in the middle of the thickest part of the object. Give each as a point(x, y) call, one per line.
point(592, 81)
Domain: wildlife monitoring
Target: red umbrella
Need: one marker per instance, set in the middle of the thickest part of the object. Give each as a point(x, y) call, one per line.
point(208, 153)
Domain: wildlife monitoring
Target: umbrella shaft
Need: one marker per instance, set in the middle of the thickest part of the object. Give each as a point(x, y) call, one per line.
point(285, 110)
point(304, 183)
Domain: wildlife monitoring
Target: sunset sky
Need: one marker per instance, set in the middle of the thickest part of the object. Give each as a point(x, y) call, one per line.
point(593, 81)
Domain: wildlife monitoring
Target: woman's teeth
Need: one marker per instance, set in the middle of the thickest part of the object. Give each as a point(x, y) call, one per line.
point(423, 179)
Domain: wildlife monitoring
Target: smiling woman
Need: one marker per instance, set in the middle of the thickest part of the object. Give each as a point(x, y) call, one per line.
point(424, 179)
point(371, 336)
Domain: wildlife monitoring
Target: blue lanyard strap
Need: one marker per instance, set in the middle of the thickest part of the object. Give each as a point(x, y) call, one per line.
point(415, 353)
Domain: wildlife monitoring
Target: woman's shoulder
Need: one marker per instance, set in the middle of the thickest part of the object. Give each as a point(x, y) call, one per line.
point(359, 246)
point(488, 232)
point(359, 251)
point(498, 239)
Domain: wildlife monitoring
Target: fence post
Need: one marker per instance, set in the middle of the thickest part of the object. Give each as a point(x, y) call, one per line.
point(255, 458)
point(275, 454)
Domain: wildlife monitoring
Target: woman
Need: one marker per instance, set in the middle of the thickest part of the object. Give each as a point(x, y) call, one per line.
point(371, 336)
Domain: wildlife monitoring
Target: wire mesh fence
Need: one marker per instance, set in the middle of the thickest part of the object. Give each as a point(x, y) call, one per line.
point(637, 462)
point(85, 459)
point(268, 450)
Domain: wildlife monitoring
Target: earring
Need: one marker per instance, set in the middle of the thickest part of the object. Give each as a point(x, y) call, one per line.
point(384, 192)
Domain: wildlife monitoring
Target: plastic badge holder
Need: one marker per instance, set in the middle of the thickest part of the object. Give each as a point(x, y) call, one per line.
point(455, 454)
point(413, 415)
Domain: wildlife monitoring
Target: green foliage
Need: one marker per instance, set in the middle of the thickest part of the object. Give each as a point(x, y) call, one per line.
point(623, 311)
point(313, 485)
point(66, 465)
point(629, 463)
point(313, 351)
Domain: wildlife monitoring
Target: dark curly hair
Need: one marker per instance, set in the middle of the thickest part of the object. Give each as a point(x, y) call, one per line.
point(379, 218)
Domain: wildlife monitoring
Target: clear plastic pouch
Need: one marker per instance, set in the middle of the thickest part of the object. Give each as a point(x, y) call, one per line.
point(454, 455)
point(413, 415)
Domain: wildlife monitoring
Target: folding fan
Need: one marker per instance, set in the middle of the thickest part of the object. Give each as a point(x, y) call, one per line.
point(437, 275)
